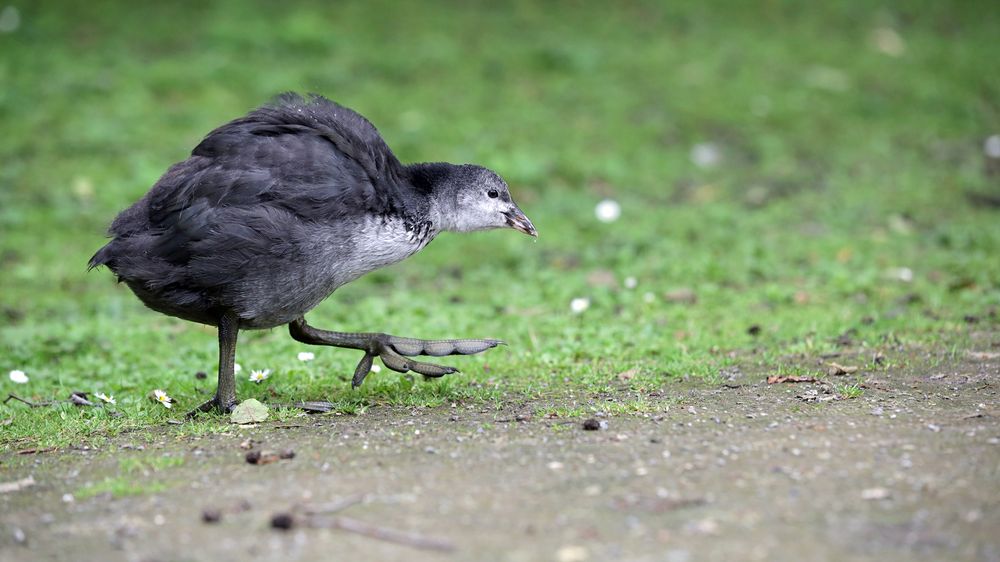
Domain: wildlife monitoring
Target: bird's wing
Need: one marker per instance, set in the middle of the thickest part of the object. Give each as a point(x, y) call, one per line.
point(349, 132)
point(250, 189)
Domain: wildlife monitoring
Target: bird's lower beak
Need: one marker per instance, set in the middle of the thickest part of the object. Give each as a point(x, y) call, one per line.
point(517, 221)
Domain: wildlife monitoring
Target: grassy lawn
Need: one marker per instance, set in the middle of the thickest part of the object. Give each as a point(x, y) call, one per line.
point(788, 172)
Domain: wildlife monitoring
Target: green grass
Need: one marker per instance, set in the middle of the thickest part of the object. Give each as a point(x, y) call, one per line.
point(840, 164)
point(133, 478)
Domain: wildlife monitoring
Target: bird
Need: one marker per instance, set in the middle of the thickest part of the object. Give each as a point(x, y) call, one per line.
point(273, 211)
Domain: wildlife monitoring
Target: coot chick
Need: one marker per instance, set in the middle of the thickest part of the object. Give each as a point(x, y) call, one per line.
point(274, 211)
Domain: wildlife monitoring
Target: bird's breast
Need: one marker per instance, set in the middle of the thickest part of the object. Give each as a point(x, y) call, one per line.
point(378, 242)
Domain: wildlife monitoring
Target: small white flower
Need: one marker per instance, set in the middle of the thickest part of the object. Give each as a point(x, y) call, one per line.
point(18, 376)
point(631, 282)
point(162, 398)
point(608, 210)
point(306, 356)
point(376, 369)
point(991, 147)
point(903, 274)
point(237, 368)
point(706, 155)
point(106, 398)
point(579, 304)
point(258, 375)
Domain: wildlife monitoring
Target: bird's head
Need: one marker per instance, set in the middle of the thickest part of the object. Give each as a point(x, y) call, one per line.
point(469, 197)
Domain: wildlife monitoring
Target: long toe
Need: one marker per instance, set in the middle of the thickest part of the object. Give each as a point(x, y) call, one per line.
point(440, 348)
point(401, 364)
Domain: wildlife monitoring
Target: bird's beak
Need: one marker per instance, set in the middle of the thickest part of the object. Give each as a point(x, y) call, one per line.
point(516, 220)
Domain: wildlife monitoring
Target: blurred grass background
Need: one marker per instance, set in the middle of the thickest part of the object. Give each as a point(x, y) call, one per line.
point(788, 172)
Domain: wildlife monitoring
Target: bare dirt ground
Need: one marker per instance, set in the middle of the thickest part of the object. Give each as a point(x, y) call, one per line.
point(908, 470)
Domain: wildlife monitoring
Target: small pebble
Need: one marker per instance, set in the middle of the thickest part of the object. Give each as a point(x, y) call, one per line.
point(594, 425)
point(253, 457)
point(287, 454)
point(875, 494)
point(211, 516)
point(283, 521)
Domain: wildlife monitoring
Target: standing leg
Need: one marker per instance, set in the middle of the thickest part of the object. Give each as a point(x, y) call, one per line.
point(225, 393)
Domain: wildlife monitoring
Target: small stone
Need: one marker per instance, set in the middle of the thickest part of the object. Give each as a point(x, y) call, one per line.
point(594, 425)
point(253, 457)
point(249, 411)
point(211, 516)
point(282, 521)
point(875, 494)
point(287, 454)
point(572, 554)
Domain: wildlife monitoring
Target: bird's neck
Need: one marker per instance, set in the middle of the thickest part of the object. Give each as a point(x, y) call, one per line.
point(432, 186)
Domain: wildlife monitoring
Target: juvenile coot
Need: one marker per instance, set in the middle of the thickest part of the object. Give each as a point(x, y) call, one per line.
point(275, 210)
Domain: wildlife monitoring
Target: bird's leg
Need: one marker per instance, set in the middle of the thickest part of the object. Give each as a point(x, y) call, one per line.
point(392, 350)
point(225, 393)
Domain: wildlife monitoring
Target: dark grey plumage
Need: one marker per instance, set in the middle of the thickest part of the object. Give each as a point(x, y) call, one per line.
point(275, 210)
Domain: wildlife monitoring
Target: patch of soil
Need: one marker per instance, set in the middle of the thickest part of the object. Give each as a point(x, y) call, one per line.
point(744, 471)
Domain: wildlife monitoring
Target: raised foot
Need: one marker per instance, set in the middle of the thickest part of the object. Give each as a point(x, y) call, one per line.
point(395, 351)
point(213, 404)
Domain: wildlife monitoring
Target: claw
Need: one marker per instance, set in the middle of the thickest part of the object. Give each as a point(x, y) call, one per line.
point(362, 370)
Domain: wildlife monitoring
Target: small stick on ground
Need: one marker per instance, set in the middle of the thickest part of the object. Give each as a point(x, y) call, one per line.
point(333, 507)
point(12, 396)
point(386, 534)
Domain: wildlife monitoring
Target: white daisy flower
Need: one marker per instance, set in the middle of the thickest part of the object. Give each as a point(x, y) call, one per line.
point(18, 376)
point(376, 369)
point(579, 304)
point(631, 282)
point(109, 399)
point(608, 210)
point(259, 375)
point(306, 356)
point(237, 368)
point(162, 398)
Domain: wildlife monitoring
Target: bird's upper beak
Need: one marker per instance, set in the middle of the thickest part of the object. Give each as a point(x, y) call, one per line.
point(518, 221)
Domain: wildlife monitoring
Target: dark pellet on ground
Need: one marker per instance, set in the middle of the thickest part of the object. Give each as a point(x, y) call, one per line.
point(591, 425)
point(754, 330)
point(211, 516)
point(201, 375)
point(287, 454)
point(283, 521)
point(253, 457)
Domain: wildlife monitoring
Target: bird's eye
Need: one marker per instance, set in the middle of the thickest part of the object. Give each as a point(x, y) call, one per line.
point(493, 193)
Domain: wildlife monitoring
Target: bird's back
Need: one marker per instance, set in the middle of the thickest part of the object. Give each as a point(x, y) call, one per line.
point(261, 218)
